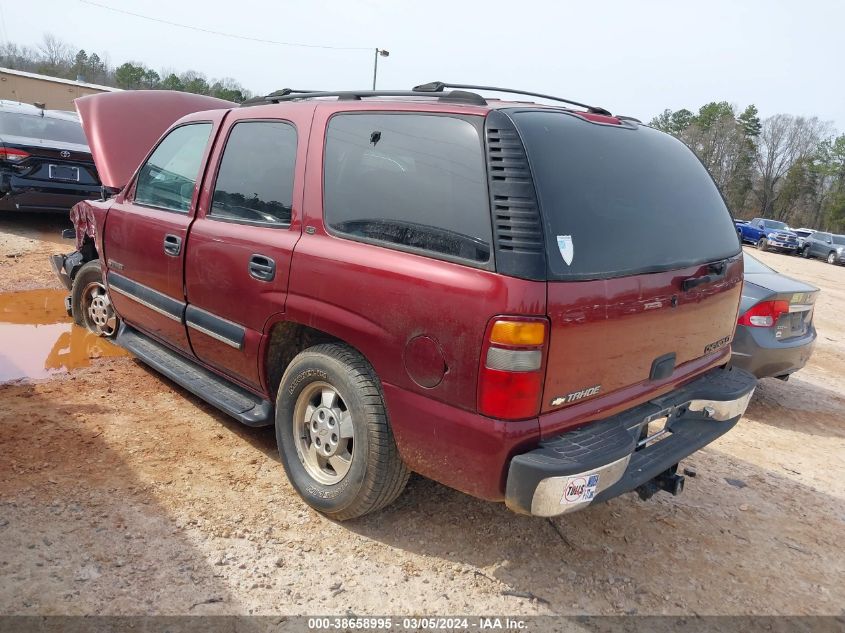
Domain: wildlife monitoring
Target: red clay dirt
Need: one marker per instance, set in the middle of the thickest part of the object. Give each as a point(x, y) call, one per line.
point(120, 493)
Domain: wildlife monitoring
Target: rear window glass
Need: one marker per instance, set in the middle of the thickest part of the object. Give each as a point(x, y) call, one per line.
point(408, 181)
point(44, 128)
point(621, 201)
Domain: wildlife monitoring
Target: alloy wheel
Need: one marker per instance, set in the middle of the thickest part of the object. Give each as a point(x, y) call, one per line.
point(100, 317)
point(322, 431)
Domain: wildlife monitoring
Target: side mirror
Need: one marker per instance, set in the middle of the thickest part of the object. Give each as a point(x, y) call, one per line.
point(761, 226)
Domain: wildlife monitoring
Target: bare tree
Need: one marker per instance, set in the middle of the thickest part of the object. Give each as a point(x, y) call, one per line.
point(55, 53)
point(784, 140)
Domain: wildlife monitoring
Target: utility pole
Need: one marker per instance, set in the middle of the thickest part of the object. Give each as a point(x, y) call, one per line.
point(383, 53)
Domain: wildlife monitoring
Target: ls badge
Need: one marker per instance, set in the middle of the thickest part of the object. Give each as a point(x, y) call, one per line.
point(567, 250)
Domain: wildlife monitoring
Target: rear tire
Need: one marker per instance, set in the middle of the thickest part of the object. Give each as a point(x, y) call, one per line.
point(333, 434)
point(762, 244)
point(90, 303)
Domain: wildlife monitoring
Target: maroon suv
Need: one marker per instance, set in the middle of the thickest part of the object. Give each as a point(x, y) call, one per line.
point(529, 303)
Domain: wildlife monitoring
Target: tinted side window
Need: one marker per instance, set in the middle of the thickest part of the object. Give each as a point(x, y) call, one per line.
point(417, 181)
point(168, 177)
point(255, 181)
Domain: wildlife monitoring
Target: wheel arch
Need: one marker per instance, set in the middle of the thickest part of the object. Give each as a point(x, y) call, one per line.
point(287, 337)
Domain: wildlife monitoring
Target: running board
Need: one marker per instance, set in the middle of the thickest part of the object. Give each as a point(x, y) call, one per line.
point(242, 405)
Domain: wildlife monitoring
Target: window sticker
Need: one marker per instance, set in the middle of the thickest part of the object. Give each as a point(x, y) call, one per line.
point(567, 250)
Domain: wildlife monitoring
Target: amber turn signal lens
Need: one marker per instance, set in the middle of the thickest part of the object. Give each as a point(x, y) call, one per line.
point(518, 333)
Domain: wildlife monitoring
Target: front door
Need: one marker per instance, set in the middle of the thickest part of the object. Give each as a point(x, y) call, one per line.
point(146, 232)
point(241, 243)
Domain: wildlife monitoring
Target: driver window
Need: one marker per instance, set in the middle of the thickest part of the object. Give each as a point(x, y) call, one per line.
point(167, 179)
point(255, 180)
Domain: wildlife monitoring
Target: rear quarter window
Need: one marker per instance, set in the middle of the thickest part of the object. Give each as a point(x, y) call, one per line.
point(621, 200)
point(408, 181)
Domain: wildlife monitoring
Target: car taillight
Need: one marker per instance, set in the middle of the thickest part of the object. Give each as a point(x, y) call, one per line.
point(13, 155)
point(510, 382)
point(764, 314)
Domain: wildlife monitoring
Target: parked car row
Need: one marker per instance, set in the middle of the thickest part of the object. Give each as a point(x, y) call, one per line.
point(768, 234)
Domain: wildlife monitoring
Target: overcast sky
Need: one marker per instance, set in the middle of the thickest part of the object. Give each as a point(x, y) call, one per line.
point(632, 57)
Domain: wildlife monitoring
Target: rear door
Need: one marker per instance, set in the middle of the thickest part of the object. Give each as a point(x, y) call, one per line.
point(240, 246)
point(644, 265)
point(146, 231)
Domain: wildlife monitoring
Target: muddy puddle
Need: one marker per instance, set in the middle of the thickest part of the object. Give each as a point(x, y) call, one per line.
point(38, 339)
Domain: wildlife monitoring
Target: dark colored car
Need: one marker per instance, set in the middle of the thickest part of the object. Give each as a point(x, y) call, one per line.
point(827, 246)
point(775, 333)
point(45, 163)
point(767, 234)
point(476, 290)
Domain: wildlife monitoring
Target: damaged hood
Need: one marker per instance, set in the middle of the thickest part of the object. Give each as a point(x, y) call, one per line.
point(121, 127)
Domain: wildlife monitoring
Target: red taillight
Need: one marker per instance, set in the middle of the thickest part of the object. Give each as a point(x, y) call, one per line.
point(13, 155)
point(764, 314)
point(510, 381)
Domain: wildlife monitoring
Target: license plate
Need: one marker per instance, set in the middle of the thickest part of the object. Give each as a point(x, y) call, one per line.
point(63, 172)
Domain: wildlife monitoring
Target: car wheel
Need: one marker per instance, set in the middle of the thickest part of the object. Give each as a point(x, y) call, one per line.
point(90, 304)
point(762, 245)
point(333, 434)
point(831, 257)
point(805, 253)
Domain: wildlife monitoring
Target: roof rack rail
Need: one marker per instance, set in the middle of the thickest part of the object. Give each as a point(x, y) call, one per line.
point(439, 86)
point(273, 96)
point(289, 94)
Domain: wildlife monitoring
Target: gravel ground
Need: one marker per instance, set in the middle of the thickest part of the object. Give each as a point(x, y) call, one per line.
point(120, 493)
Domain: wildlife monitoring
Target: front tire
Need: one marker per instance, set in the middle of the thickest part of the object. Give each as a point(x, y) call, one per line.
point(90, 304)
point(806, 252)
point(762, 244)
point(333, 434)
point(831, 258)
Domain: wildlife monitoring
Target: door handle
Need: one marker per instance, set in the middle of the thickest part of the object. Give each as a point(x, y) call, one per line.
point(172, 245)
point(262, 268)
